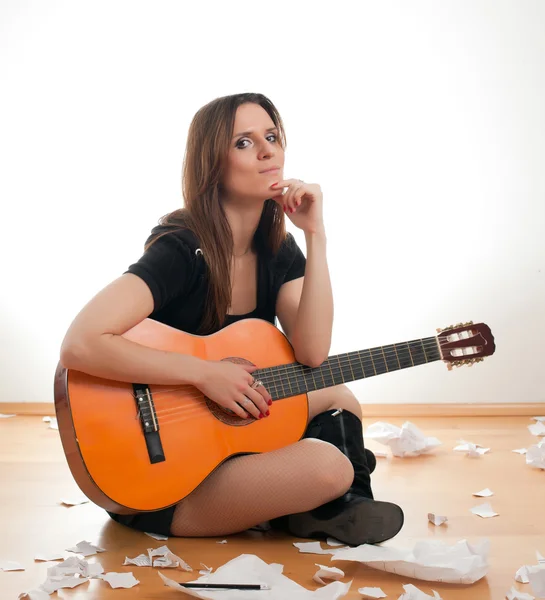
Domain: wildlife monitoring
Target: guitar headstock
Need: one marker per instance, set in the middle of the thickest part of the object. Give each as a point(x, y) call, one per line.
point(465, 344)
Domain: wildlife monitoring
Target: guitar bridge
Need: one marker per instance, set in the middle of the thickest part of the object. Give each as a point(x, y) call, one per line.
point(149, 422)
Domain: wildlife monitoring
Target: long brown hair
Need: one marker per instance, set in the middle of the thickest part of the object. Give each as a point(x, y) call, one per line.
point(208, 141)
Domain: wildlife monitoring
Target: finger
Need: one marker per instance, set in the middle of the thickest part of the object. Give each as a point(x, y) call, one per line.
point(249, 407)
point(259, 401)
point(239, 411)
point(266, 396)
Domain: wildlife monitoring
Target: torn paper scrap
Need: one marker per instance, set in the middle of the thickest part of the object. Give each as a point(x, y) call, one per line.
point(536, 575)
point(120, 580)
point(520, 450)
point(333, 542)
point(538, 418)
point(52, 422)
point(522, 575)
point(471, 449)
point(47, 556)
point(2, 416)
point(158, 557)
point(166, 558)
point(312, 548)
point(157, 536)
point(484, 510)
point(205, 570)
point(10, 565)
point(75, 566)
point(406, 440)
point(540, 559)
point(85, 548)
point(535, 457)
point(222, 542)
point(436, 519)
point(484, 493)
point(34, 595)
point(428, 560)
point(413, 593)
point(248, 568)
point(54, 583)
point(514, 594)
point(537, 428)
point(371, 592)
point(74, 501)
point(327, 573)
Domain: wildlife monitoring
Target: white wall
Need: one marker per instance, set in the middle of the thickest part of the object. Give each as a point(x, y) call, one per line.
point(424, 123)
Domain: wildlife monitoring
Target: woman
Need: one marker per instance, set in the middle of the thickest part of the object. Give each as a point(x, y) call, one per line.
point(222, 258)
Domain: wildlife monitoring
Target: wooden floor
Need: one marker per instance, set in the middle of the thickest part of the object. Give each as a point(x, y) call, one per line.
point(34, 477)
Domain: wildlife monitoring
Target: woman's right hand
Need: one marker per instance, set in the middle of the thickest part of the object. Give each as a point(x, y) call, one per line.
point(228, 384)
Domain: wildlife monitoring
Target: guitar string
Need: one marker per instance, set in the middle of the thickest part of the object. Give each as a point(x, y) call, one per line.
point(278, 380)
point(289, 369)
point(196, 409)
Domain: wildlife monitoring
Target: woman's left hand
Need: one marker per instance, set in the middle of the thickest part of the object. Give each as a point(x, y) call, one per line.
point(302, 202)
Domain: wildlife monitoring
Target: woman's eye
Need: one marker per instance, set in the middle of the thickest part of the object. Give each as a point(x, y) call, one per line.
point(246, 140)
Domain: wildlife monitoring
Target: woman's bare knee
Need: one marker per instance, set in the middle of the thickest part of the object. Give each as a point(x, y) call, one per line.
point(335, 474)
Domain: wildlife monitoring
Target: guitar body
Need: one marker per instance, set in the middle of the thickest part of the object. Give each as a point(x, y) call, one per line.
point(102, 433)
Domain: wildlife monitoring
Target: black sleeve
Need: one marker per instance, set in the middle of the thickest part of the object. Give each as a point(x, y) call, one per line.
point(166, 267)
point(298, 260)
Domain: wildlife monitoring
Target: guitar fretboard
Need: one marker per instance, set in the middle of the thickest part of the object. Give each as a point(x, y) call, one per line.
point(291, 379)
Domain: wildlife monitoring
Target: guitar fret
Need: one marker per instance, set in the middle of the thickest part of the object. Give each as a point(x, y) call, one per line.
point(378, 361)
point(392, 364)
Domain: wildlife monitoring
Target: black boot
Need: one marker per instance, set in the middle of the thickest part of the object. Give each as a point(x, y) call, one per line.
point(355, 518)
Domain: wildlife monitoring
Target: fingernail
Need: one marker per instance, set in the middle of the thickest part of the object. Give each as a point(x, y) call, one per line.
point(292, 210)
point(268, 413)
point(261, 415)
point(269, 402)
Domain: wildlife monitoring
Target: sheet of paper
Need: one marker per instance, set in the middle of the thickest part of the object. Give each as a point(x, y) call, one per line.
point(248, 568)
point(514, 594)
point(2, 416)
point(157, 536)
point(10, 565)
point(406, 440)
point(484, 510)
point(471, 449)
point(324, 572)
point(437, 519)
point(537, 428)
point(120, 580)
point(520, 450)
point(85, 548)
point(484, 493)
point(312, 548)
point(333, 542)
point(535, 457)
point(538, 418)
point(34, 595)
point(52, 422)
point(74, 500)
point(371, 592)
point(536, 575)
point(413, 593)
point(432, 560)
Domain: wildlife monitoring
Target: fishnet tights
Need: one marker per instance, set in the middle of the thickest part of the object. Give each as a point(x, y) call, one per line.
point(248, 490)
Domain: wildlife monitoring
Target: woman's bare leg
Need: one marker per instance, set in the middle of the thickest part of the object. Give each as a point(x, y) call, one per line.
point(248, 490)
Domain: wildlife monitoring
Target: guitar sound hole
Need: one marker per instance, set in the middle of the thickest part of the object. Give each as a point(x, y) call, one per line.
point(227, 416)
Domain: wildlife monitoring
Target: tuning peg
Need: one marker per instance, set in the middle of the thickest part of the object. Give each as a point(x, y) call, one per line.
point(439, 330)
point(447, 328)
point(468, 323)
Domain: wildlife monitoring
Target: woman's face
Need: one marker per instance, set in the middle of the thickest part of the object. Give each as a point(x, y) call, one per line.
point(254, 147)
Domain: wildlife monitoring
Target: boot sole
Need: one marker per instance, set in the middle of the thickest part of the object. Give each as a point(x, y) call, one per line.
point(363, 523)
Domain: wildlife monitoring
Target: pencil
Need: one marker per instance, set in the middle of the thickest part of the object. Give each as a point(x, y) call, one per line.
point(227, 586)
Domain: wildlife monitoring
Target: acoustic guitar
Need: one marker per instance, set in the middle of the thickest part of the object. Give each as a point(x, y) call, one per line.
point(138, 447)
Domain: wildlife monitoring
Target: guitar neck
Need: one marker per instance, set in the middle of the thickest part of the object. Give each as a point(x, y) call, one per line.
point(291, 379)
